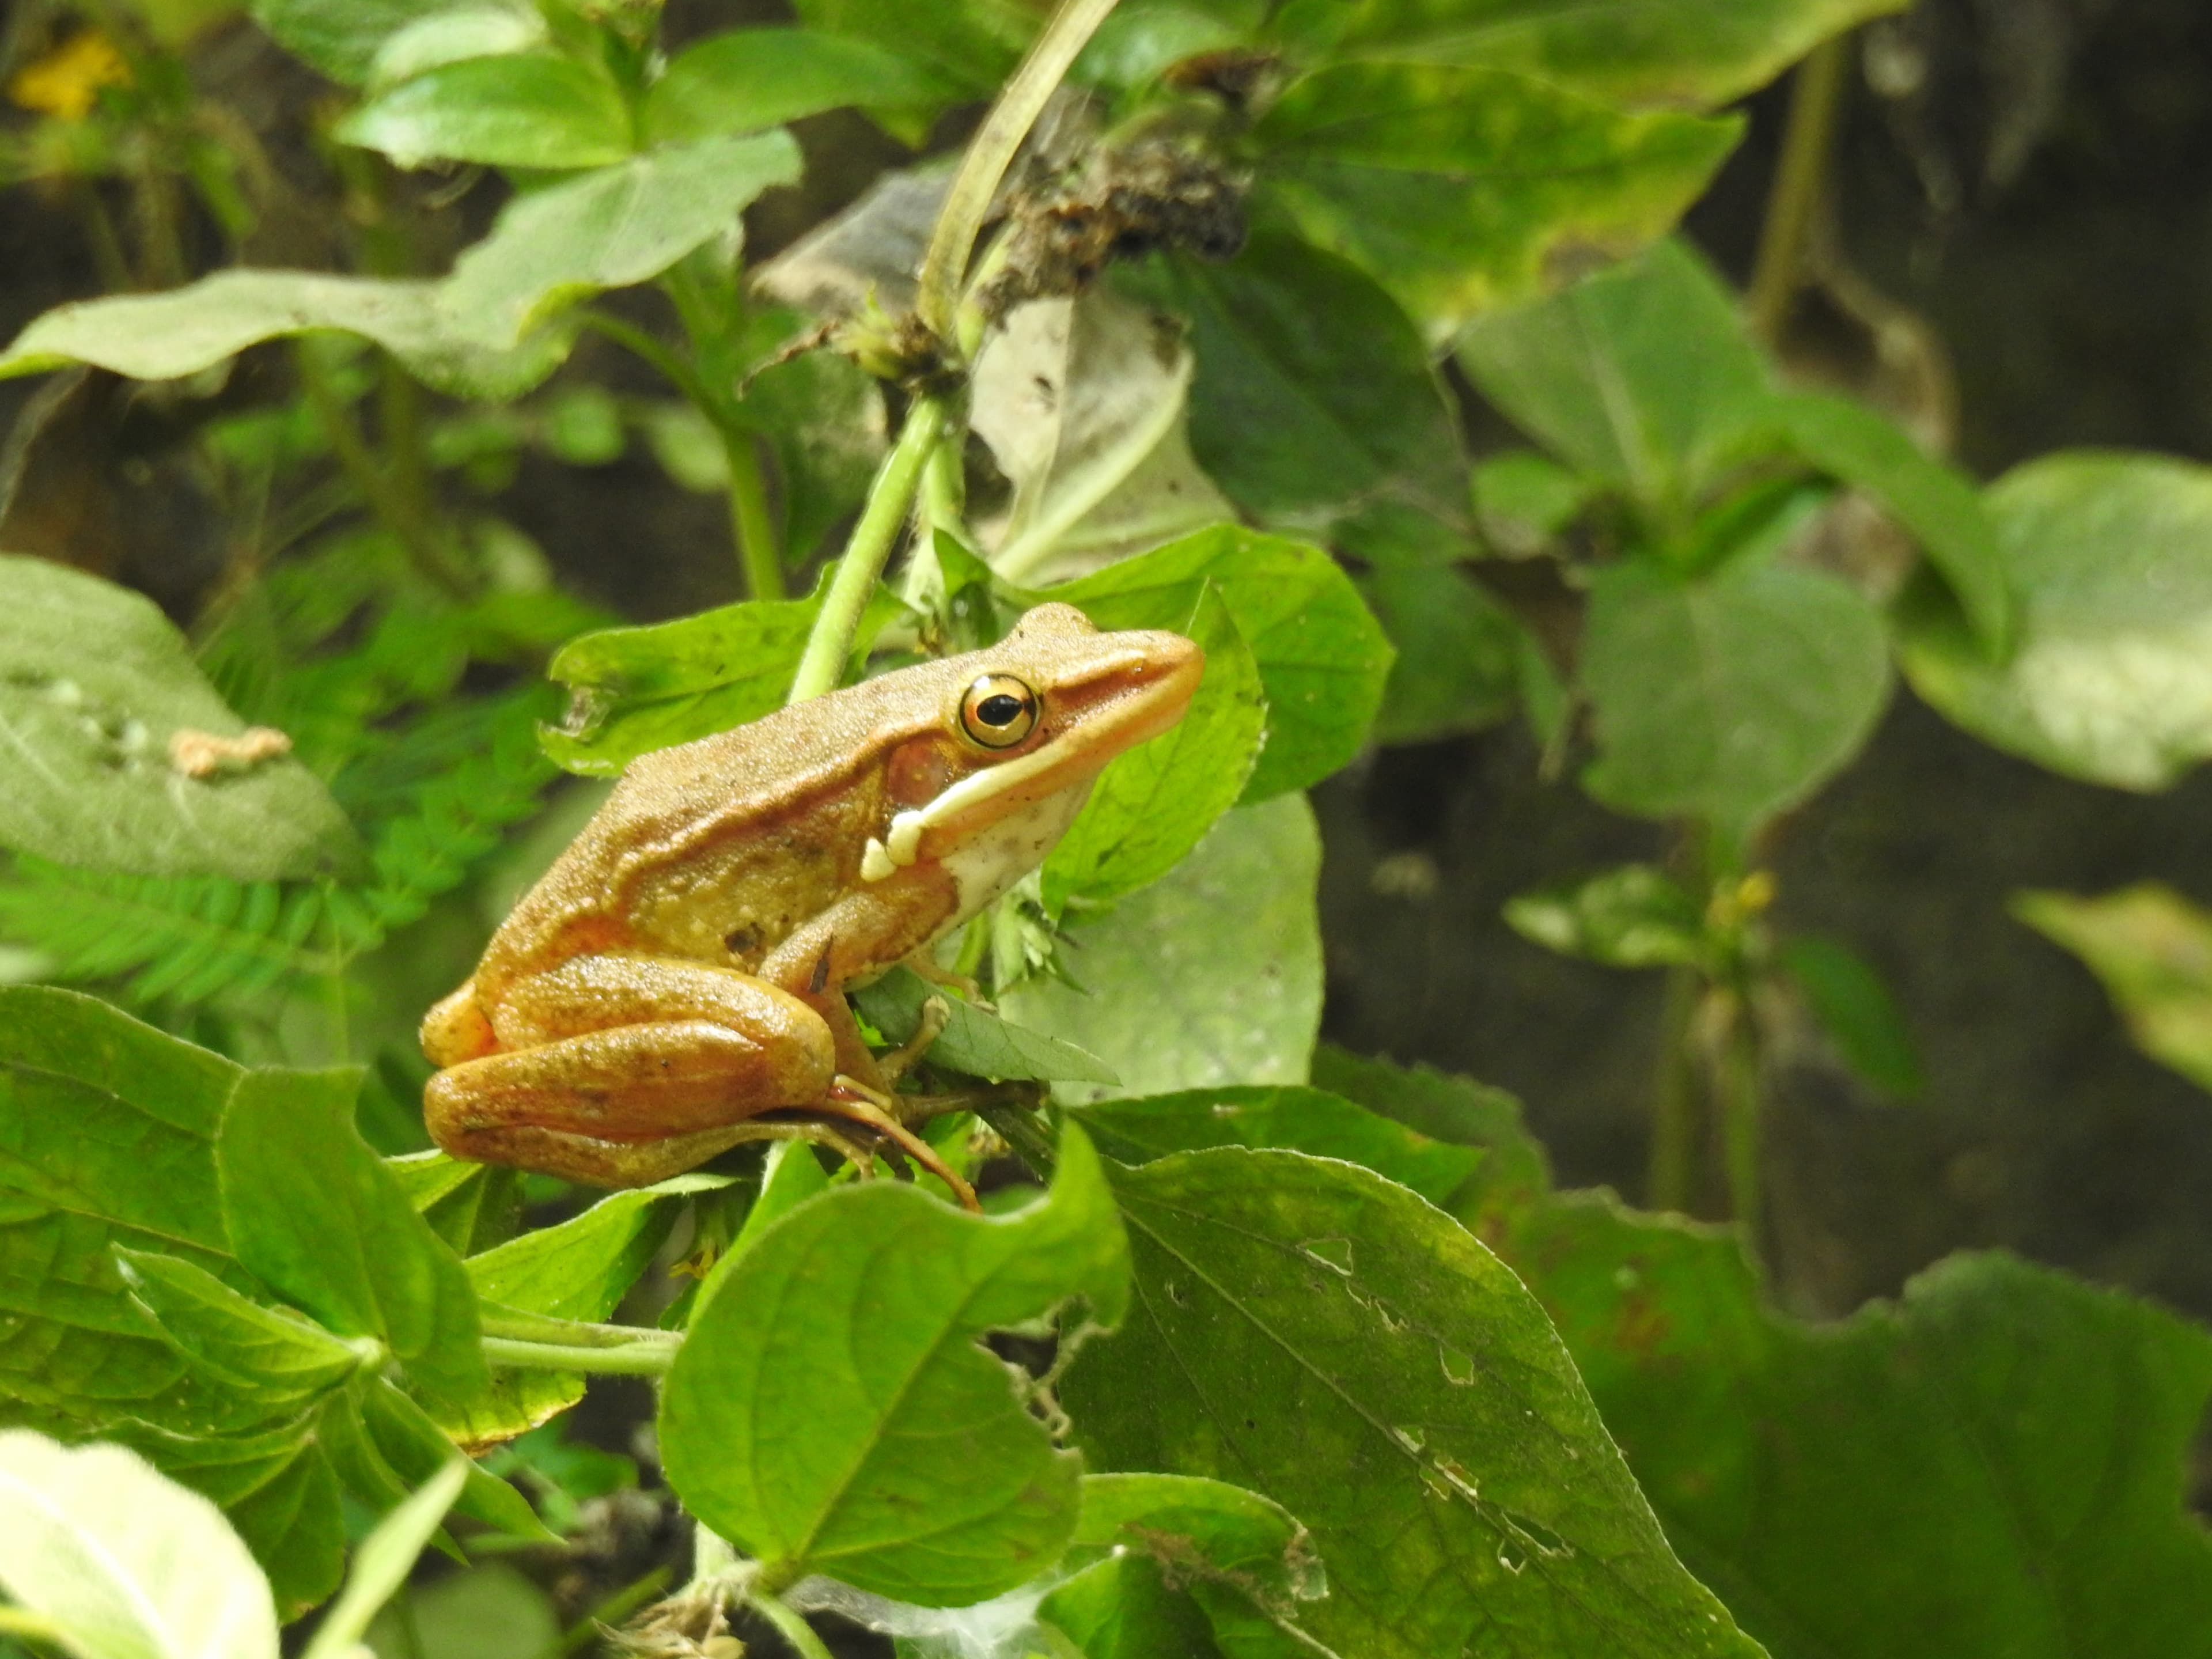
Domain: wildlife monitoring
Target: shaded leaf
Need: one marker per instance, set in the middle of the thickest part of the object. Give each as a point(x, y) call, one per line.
point(339, 37)
point(125, 1563)
point(1302, 1119)
point(1729, 697)
point(1313, 391)
point(1152, 805)
point(519, 109)
point(974, 1041)
point(380, 1566)
point(1122, 1607)
point(1211, 976)
point(313, 1212)
point(1990, 1466)
point(275, 1355)
point(2110, 559)
point(751, 78)
point(1632, 916)
point(2153, 950)
point(1459, 189)
point(1855, 1008)
point(874, 1439)
point(1322, 658)
point(489, 1612)
point(1941, 509)
point(96, 685)
point(1641, 376)
point(1357, 1356)
point(1458, 662)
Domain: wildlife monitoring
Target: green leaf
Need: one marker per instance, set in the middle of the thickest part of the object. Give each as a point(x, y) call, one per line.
point(2110, 559)
point(1641, 376)
point(484, 330)
point(123, 1562)
point(1459, 653)
point(634, 689)
point(386, 1557)
point(1344, 1348)
point(400, 1446)
point(455, 35)
point(1313, 391)
point(314, 1212)
point(2152, 949)
point(974, 1041)
point(1667, 54)
point(1211, 976)
point(489, 1612)
point(1992, 1467)
point(520, 109)
point(1152, 804)
point(1459, 189)
point(278, 1490)
point(1304, 1119)
point(973, 47)
point(1729, 697)
point(106, 1137)
point(874, 1439)
point(273, 1355)
point(1123, 1607)
point(1457, 1109)
point(1522, 500)
point(1243, 1558)
point(1322, 658)
point(96, 686)
point(748, 79)
point(1942, 509)
point(1632, 916)
point(1855, 1008)
point(340, 37)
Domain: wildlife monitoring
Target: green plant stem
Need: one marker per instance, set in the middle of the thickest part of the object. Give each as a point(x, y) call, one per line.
point(992, 151)
point(865, 554)
point(414, 531)
point(794, 1629)
point(585, 1632)
point(759, 554)
point(1669, 1181)
point(1023, 1136)
point(1737, 1095)
point(635, 1359)
point(1801, 179)
point(643, 345)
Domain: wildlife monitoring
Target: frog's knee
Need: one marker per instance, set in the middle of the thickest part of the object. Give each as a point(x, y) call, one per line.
point(456, 1029)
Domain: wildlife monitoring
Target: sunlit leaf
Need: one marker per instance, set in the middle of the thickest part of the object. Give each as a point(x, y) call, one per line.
point(519, 109)
point(2152, 950)
point(2110, 558)
point(1459, 189)
point(751, 78)
point(874, 1439)
point(125, 1563)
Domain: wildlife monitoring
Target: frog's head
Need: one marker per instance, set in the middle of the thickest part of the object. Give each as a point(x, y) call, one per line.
point(1027, 726)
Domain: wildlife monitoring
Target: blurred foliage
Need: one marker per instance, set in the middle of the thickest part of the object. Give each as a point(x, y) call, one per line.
point(1205, 373)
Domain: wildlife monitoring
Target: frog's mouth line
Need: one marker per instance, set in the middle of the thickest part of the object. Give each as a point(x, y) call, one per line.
point(1120, 725)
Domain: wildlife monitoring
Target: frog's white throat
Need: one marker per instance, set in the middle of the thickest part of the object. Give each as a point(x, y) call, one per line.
point(992, 859)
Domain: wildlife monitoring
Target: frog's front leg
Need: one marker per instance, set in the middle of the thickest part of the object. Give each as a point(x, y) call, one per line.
point(621, 1070)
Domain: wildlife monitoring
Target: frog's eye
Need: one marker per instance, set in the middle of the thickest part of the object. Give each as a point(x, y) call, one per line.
point(998, 711)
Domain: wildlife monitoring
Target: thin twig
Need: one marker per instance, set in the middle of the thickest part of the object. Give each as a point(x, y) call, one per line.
point(1801, 183)
point(794, 1629)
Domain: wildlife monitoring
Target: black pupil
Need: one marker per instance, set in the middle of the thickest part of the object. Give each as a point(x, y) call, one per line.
point(999, 708)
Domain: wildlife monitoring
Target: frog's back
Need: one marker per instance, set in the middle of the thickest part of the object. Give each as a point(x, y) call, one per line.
point(703, 804)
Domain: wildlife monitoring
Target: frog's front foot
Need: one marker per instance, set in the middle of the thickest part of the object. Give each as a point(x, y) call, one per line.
point(936, 1014)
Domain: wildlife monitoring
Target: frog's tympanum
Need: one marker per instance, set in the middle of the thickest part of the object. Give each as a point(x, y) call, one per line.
point(681, 969)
